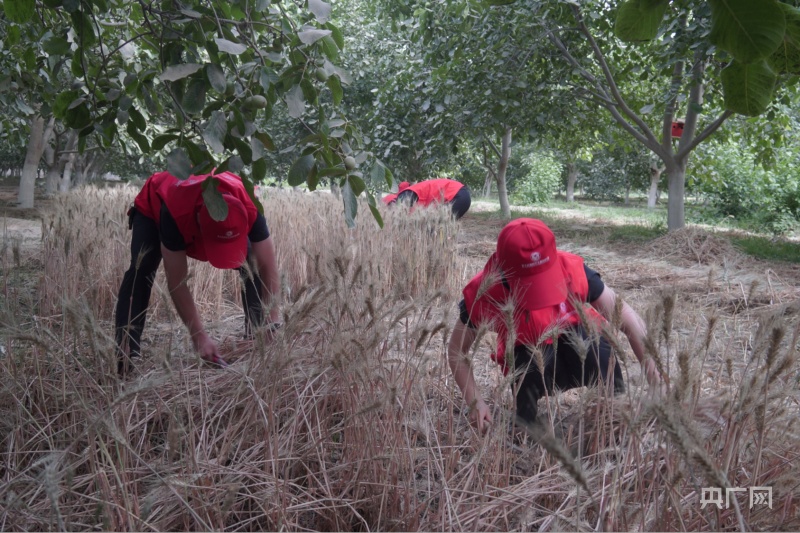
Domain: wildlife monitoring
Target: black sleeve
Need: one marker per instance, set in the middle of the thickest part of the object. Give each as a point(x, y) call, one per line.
point(259, 232)
point(171, 236)
point(407, 196)
point(596, 285)
point(463, 314)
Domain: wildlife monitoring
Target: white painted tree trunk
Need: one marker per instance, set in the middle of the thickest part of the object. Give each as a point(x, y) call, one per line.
point(676, 187)
point(68, 161)
point(572, 179)
point(487, 185)
point(66, 179)
point(655, 178)
point(505, 155)
point(27, 181)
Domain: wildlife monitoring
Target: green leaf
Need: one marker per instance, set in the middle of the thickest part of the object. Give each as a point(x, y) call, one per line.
point(63, 102)
point(215, 131)
point(500, 2)
point(638, 20)
point(178, 164)
point(295, 102)
point(320, 9)
point(19, 11)
point(357, 184)
point(56, 46)
point(84, 28)
point(330, 48)
point(374, 209)
point(138, 119)
point(750, 30)
point(230, 47)
point(378, 173)
point(251, 192)
point(233, 164)
point(194, 99)
point(337, 35)
point(336, 89)
point(215, 203)
point(259, 170)
point(256, 148)
point(162, 140)
point(313, 179)
point(178, 72)
point(266, 140)
point(140, 139)
point(748, 89)
point(78, 117)
point(13, 35)
point(786, 59)
point(301, 169)
point(350, 204)
point(216, 78)
point(312, 35)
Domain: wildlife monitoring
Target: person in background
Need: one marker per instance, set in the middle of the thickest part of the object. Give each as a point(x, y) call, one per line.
point(531, 285)
point(440, 190)
point(391, 197)
point(170, 221)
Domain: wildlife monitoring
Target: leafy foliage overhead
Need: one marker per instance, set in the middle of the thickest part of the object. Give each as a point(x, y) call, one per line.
point(751, 31)
point(199, 80)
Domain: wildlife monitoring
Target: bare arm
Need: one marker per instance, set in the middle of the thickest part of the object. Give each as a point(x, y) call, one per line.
point(264, 252)
point(176, 270)
point(632, 326)
point(460, 342)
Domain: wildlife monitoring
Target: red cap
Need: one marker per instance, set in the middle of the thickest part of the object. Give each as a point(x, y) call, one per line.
point(403, 186)
point(526, 253)
point(225, 241)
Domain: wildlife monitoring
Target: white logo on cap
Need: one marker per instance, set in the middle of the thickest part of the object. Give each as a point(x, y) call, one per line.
point(229, 233)
point(536, 260)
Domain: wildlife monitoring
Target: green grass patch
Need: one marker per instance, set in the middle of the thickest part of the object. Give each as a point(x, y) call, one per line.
point(635, 234)
point(766, 248)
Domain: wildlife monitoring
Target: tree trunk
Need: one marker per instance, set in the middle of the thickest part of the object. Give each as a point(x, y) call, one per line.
point(68, 161)
point(54, 166)
point(487, 185)
point(66, 180)
point(572, 178)
point(505, 155)
point(655, 178)
point(27, 181)
point(52, 177)
point(676, 178)
point(628, 193)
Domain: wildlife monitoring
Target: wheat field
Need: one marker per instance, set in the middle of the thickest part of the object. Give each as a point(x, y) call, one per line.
point(348, 419)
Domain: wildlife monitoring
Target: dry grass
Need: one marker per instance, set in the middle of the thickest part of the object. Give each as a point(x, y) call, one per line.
point(349, 419)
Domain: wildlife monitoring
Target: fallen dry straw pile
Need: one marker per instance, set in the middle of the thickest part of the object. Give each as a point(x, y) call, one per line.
point(349, 420)
point(696, 246)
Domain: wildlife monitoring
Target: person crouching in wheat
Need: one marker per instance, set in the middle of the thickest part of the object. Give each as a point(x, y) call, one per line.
point(170, 220)
point(533, 297)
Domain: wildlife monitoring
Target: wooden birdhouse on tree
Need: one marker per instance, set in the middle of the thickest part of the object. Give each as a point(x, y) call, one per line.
point(677, 128)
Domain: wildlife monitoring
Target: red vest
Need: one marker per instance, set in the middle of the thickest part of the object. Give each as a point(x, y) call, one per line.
point(440, 190)
point(184, 198)
point(532, 327)
point(389, 198)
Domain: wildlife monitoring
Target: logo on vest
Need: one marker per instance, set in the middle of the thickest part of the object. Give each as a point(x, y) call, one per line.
point(228, 235)
point(536, 260)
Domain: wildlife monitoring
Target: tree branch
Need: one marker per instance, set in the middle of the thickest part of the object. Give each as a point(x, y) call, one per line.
point(621, 104)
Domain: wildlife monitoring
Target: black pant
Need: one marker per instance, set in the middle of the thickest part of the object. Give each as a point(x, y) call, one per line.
point(134, 292)
point(460, 202)
point(562, 371)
